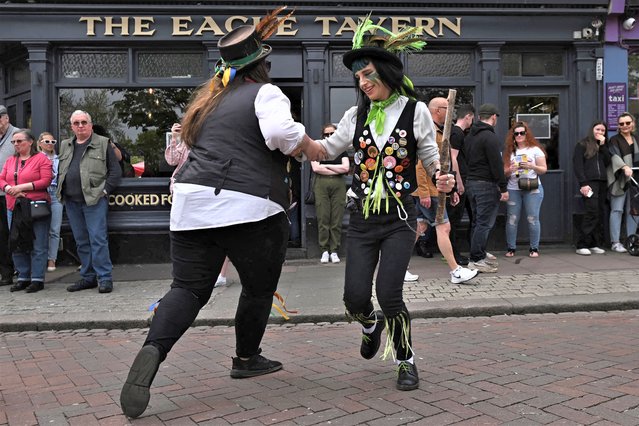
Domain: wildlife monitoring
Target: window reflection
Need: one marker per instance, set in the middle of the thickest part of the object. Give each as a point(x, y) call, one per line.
point(137, 119)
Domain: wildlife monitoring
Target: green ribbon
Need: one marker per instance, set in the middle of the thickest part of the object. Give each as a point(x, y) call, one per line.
point(378, 112)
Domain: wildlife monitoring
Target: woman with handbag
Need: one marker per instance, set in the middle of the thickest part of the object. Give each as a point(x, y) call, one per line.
point(524, 160)
point(25, 178)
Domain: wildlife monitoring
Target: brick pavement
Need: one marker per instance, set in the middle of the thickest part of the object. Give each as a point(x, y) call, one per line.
point(575, 368)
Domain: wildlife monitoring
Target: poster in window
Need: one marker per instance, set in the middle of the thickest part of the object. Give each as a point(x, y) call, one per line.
point(539, 124)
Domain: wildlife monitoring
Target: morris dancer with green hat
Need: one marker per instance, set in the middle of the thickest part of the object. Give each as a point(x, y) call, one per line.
point(390, 131)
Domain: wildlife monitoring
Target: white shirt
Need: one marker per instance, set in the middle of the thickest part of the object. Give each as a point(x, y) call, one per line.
point(531, 154)
point(197, 206)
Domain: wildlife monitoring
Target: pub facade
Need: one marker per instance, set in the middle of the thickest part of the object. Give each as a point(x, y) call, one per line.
point(133, 66)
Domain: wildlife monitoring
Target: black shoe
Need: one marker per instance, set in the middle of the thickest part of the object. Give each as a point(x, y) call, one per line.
point(462, 260)
point(6, 280)
point(34, 287)
point(82, 285)
point(371, 342)
point(254, 366)
point(423, 251)
point(135, 392)
point(105, 286)
point(407, 378)
point(19, 286)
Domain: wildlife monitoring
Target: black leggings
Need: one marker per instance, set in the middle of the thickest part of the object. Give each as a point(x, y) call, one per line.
point(257, 250)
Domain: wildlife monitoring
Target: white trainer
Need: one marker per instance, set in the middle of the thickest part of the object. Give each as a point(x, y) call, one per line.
point(461, 275)
point(483, 266)
point(597, 250)
point(584, 251)
point(334, 258)
point(619, 248)
point(324, 258)
point(408, 277)
point(490, 256)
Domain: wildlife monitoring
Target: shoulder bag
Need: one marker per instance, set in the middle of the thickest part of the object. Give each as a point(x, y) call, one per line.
point(39, 209)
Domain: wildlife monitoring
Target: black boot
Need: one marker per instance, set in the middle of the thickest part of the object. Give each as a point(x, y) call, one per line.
point(19, 286)
point(422, 250)
point(371, 342)
point(34, 287)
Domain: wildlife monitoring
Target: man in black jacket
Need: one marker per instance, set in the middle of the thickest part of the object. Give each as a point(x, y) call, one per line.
point(486, 183)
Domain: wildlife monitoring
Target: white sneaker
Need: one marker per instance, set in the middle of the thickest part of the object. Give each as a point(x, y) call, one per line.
point(619, 248)
point(221, 282)
point(483, 266)
point(461, 275)
point(324, 258)
point(490, 256)
point(597, 250)
point(408, 277)
point(334, 258)
point(584, 251)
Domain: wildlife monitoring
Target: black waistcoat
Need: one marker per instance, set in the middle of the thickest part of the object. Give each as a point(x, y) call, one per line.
point(230, 151)
point(397, 159)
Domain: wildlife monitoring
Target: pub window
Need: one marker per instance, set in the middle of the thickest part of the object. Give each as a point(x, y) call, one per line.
point(171, 65)
point(633, 82)
point(94, 65)
point(341, 99)
point(138, 119)
point(439, 64)
point(465, 95)
point(532, 64)
point(18, 76)
point(338, 69)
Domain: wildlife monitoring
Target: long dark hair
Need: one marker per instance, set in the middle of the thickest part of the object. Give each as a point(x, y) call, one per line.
point(209, 95)
point(590, 144)
point(390, 74)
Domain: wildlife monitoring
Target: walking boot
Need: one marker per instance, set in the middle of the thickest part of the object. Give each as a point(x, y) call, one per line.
point(135, 393)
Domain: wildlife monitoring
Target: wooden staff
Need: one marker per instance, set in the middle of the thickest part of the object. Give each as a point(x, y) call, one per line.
point(444, 153)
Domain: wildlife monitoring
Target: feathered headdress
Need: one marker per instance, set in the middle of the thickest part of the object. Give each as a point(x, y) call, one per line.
point(243, 45)
point(367, 42)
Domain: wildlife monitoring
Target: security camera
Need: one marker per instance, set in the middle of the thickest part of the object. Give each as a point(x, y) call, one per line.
point(629, 23)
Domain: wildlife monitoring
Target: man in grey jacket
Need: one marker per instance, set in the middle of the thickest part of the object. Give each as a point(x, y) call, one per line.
point(6, 151)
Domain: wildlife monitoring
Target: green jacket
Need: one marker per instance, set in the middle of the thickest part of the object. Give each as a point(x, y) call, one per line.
point(98, 178)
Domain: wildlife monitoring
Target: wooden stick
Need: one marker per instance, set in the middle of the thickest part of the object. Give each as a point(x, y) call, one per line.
point(444, 153)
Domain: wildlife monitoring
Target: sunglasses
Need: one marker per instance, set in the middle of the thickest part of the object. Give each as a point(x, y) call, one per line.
point(49, 142)
point(625, 123)
point(325, 135)
point(78, 123)
point(522, 133)
point(17, 141)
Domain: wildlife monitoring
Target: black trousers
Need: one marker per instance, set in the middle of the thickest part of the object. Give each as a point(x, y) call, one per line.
point(455, 215)
point(257, 250)
point(387, 240)
point(591, 232)
point(6, 264)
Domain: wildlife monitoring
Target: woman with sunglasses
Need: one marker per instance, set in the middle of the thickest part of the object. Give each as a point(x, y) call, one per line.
point(624, 155)
point(330, 200)
point(524, 158)
point(25, 178)
point(46, 144)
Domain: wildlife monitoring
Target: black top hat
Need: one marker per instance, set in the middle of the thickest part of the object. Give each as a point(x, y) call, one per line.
point(241, 47)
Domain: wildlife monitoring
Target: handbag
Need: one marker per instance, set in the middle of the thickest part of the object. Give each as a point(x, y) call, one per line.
point(40, 209)
point(528, 184)
point(309, 198)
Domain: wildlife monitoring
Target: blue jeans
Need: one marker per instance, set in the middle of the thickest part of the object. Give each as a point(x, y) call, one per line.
point(89, 227)
point(617, 204)
point(56, 221)
point(32, 265)
point(484, 201)
point(531, 201)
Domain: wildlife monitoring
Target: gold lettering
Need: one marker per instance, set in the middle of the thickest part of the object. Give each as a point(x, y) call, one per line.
point(166, 198)
point(326, 24)
point(285, 28)
point(349, 24)
point(228, 24)
point(111, 199)
point(445, 22)
point(129, 199)
point(181, 26)
point(141, 25)
point(209, 25)
point(155, 200)
point(109, 25)
point(137, 199)
point(427, 25)
point(90, 20)
point(398, 23)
